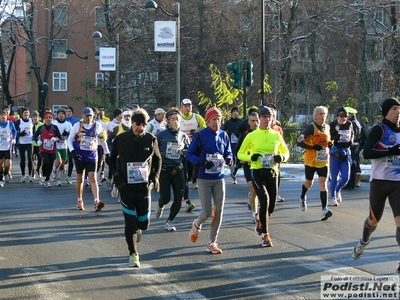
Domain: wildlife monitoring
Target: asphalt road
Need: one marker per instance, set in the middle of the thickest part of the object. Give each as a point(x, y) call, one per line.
point(48, 250)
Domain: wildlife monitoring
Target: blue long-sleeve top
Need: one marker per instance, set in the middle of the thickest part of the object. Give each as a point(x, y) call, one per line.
point(169, 136)
point(211, 142)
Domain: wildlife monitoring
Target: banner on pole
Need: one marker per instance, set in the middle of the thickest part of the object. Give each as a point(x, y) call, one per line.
point(165, 36)
point(107, 60)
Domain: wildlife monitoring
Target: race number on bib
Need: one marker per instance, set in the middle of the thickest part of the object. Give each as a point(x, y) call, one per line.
point(48, 144)
point(88, 143)
point(322, 155)
point(218, 163)
point(137, 172)
point(173, 151)
point(267, 160)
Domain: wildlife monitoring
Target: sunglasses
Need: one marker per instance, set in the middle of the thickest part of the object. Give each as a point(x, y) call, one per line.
point(343, 115)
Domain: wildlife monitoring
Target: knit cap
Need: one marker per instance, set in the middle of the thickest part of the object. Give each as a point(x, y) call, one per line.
point(387, 105)
point(212, 112)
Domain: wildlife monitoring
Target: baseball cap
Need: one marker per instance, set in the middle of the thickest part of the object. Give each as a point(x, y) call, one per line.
point(160, 111)
point(87, 111)
point(186, 101)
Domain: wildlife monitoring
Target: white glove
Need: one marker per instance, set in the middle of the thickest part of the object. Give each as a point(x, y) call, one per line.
point(13, 142)
point(39, 143)
point(54, 139)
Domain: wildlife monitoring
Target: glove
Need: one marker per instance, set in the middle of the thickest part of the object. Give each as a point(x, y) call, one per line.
point(255, 156)
point(395, 150)
point(54, 139)
point(76, 155)
point(277, 158)
point(229, 161)
point(39, 143)
point(318, 147)
point(65, 133)
point(22, 133)
point(209, 164)
point(13, 142)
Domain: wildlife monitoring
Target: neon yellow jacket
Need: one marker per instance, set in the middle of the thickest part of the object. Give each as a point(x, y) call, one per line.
point(262, 142)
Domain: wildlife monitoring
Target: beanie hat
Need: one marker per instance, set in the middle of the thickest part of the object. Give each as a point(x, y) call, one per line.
point(35, 113)
point(387, 105)
point(117, 112)
point(48, 114)
point(234, 108)
point(264, 110)
point(342, 110)
point(212, 112)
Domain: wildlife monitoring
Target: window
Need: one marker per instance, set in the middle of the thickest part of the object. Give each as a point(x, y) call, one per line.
point(60, 16)
point(59, 81)
point(102, 78)
point(100, 17)
point(59, 48)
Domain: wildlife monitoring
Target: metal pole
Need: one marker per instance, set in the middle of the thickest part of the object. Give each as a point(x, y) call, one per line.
point(117, 73)
point(178, 55)
point(262, 51)
point(86, 82)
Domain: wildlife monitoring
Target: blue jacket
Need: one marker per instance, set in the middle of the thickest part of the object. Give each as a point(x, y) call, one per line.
point(210, 143)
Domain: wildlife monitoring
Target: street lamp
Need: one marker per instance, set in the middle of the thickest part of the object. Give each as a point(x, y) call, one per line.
point(42, 87)
point(97, 36)
point(151, 4)
point(69, 51)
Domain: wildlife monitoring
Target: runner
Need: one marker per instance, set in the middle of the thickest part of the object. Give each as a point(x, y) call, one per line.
point(7, 140)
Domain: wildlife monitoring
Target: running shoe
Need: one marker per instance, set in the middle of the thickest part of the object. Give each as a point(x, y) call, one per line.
point(47, 184)
point(59, 182)
point(253, 218)
point(169, 226)
point(190, 206)
point(303, 204)
point(279, 199)
point(248, 202)
point(30, 178)
point(138, 235)
point(42, 179)
point(98, 205)
point(333, 202)
point(213, 248)
point(86, 182)
point(53, 176)
point(108, 182)
point(2, 184)
point(23, 178)
point(194, 233)
point(134, 260)
point(359, 249)
point(196, 187)
point(69, 180)
point(158, 211)
point(79, 205)
point(266, 240)
point(7, 178)
point(339, 197)
point(235, 181)
point(114, 191)
point(326, 213)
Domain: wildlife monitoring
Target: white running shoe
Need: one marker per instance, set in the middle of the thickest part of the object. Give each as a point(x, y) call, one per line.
point(114, 191)
point(333, 202)
point(169, 226)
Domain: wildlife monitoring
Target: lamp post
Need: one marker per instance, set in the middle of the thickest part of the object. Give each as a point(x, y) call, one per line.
point(97, 36)
point(42, 86)
point(151, 4)
point(262, 51)
point(69, 51)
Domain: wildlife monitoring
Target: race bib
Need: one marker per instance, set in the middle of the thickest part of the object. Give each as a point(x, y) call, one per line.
point(137, 172)
point(267, 160)
point(344, 136)
point(173, 151)
point(88, 143)
point(218, 163)
point(322, 155)
point(393, 161)
point(48, 144)
point(234, 139)
point(5, 135)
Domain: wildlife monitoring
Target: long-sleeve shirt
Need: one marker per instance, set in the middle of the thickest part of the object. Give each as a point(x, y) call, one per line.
point(171, 144)
point(266, 142)
point(208, 143)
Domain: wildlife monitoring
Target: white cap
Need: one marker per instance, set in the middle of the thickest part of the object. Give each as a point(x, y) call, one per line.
point(127, 113)
point(160, 111)
point(186, 101)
